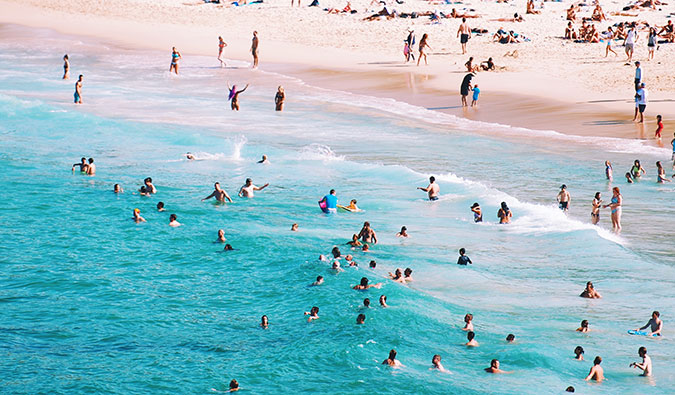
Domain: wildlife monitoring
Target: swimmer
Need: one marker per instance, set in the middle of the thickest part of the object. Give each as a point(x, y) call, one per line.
point(313, 314)
point(221, 45)
point(366, 303)
point(173, 222)
point(463, 259)
point(629, 179)
point(608, 170)
point(661, 177)
point(221, 236)
point(234, 385)
point(263, 322)
point(637, 170)
point(228, 248)
point(504, 214)
point(367, 234)
point(117, 188)
point(494, 367)
point(564, 198)
point(655, 324)
point(319, 281)
point(397, 276)
point(248, 188)
point(233, 96)
point(470, 336)
point(477, 214)
point(137, 216)
point(160, 206)
point(294, 228)
point(175, 57)
point(66, 67)
point(595, 210)
point(579, 353)
point(82, 165)
point(219, 194)
point(432, 189)
point(383, 300)
point(372, 264)
point(468, 319)
point(91, 168)
point(510, 338)
point(584, 327)
point(355, 241)
point(329, 202)
point(77, 96)
point(646, 365)
point(149, 186)
point(590, 292)
point(436, 364)
point(391, 360)
point(264, 160)
point(363, 285)
point(403, 232)
point(365, 248)
point(189, 156)
point(279, 99)
point(361, 319)
point(596, 373)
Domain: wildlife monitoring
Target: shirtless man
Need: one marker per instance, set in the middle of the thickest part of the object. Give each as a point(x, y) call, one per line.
point(494, 367)
point(464, 34)
point(219, 194)
point(655, 324)
point(646, 365)
point(596, 373)
point(564, 198)
point(248, 188)
point(367, 234)
point(432, 189)
point(82, 165)
point(254, 49)
point(91, 167)
point(78, 91)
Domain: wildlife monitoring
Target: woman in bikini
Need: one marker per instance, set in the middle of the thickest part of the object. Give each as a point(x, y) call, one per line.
point(175, 57)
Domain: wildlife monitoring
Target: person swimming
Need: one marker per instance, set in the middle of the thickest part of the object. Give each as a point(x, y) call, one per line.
point(477, 214)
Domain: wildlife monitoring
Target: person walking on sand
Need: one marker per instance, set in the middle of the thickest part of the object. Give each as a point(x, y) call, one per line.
point(77, 96)
point(66, 67)
point(464, 34)
point(233, 96)
point(279, 99)
point(175, 57)
point(254, 46)
point(615, 206)
point(221, 45)
point(422, 49)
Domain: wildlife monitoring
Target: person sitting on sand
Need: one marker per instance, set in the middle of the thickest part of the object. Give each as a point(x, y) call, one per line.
point(530, 8)
point(313, 314)
point(598, 15)
point(391, 360)
point(137, 216)
point(233, 96)
point(494, 367)
point(488, 65)
point(468, 320)
point(436, 364)
point(470, 336)
point(363, 285)
point(470, 67)
point(590, 292)
point(584, 327)
point(596, 373)
point(570, 33)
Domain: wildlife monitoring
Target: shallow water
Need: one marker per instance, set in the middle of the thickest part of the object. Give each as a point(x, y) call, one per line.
point(93, 302)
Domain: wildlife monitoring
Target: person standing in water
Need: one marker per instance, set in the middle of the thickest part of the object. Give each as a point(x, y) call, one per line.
point(615, 206)
point(248, 188)
point(432, 189)
point(66, 67)
point(279, 99)
point(78, 90)
point(595, 211)
point(564, 198)
point(422, 48)
point(221, 45)
point(234, 96)
point(254, 49)
point(596, 373)
point(504, 214)
point(464, 34)
point(175, 57)
point(219, 194)
point(646, 365)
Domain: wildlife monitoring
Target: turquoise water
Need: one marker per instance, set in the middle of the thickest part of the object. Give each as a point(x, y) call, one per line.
point(93, 302)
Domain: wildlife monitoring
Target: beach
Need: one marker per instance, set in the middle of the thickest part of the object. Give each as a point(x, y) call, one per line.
point(97, 302)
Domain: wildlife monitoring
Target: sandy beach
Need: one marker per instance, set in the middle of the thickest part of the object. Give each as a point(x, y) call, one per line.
point(549, 78)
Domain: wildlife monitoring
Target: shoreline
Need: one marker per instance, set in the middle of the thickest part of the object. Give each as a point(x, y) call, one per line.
point(432, 87)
